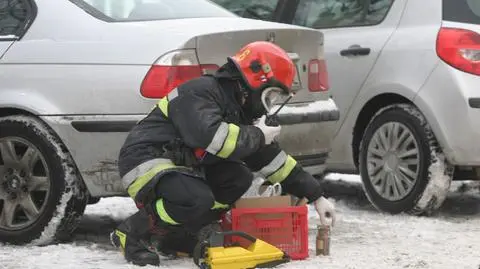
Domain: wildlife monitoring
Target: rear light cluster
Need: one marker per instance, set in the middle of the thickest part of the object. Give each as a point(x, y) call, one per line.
point(460, 48)
point(171, 70)
point(317, 76)
point(179, 66)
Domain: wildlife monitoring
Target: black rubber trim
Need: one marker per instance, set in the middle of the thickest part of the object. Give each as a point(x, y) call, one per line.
point(92, 11)
point(464, 173)
point(474, 102)
point(103, 126)
point(312, 160)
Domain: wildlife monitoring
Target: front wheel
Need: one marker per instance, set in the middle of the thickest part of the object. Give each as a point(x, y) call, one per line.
point(401, 164)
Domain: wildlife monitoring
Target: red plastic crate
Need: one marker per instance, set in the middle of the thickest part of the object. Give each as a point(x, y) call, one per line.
point(285, 228)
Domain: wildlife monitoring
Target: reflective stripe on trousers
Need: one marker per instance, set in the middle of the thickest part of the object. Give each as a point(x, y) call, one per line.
point(138, 177)
point(162, 212)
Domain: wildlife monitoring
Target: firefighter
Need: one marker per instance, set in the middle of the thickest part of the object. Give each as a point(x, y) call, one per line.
point(193, 155)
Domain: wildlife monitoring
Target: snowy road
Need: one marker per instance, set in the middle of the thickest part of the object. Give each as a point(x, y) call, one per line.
point(362, 238)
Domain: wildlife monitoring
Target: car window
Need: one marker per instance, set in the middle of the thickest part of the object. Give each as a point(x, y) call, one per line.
point(466, 11)
point(253, 9)
point(377, 11)
point(340, 13)
point(144, 10)
point(13, 15)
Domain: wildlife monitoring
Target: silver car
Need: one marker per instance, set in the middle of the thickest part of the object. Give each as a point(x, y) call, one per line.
point(76, 75)
point(405, 75)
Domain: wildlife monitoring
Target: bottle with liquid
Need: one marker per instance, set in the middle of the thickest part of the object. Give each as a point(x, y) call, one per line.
point(323, 240)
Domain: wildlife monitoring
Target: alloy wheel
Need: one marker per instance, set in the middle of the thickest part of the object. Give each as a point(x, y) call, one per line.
point(393, 161)
point(24, 183)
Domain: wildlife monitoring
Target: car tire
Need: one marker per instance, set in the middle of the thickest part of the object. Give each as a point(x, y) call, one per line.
point(39, 181)
point(93, 200)
point(401, 163)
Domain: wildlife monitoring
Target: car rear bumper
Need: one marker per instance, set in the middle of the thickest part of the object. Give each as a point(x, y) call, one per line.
point(94, 141)
point(450, 100)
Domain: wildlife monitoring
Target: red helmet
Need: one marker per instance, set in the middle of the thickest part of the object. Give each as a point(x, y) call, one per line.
point(264, 64)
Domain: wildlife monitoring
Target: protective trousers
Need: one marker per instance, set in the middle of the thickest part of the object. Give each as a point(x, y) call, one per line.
point(181, 206)
point(193, 202)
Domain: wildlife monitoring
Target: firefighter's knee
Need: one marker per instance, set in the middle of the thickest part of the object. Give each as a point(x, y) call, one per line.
point(188, 201)
point(244, 184)
point(164, 212)
point(175, 214)
point(229, 181)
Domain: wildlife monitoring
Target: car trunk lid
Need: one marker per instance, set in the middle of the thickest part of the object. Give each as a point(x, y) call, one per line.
point(304, 46)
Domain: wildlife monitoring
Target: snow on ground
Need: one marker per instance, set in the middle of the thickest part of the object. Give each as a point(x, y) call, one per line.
point(363, 238)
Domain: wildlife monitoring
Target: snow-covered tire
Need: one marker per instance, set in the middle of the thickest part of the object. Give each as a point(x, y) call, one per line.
point(51, 182)
point(421, 180)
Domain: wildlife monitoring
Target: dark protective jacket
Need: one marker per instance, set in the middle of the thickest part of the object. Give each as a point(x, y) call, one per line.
point(205, 113)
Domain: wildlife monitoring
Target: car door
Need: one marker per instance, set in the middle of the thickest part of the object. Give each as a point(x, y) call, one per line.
point(13, 22)
point(355, 33)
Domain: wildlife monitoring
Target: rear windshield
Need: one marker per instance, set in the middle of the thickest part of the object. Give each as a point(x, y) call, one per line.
point(147, 10)
point(466, 11)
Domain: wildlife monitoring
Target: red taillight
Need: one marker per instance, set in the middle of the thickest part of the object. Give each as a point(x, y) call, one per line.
point(460, 48)
point(317, 76)
point(172, 70)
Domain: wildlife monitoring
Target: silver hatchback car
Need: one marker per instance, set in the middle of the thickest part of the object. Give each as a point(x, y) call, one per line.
point(76, 75)
point(405, 75)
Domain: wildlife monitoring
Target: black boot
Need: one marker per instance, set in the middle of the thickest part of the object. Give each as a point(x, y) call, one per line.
point(179, 243)
point(141, 240)
point(202, 239)
point(207, 230)
point(133, 237)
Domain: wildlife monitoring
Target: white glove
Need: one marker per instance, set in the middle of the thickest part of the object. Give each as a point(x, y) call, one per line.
point(326, 211)
point(270, 132)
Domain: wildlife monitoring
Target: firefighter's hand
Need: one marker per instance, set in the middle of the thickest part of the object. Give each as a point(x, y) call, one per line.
point(326, 211)
point(270, 132)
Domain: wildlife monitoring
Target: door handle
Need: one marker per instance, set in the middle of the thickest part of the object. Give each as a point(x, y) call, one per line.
point(355, 51)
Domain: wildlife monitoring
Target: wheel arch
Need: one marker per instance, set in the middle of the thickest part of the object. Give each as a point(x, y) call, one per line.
point(12, 111)
point(33, 103)
point(366, 114)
